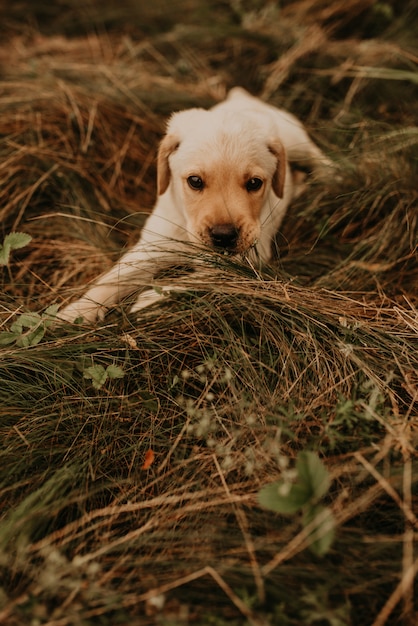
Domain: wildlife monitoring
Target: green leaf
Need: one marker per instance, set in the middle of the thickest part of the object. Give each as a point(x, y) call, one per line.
point(311, 484)
point(7, 338)
point(31, 338)
point(48, 317)
point(12, 241)
point(285, 498)
point(313, 474)
point(17, 240)
point(323, 533)
point(29, 328)
point(26, 320)
point(4, 255)
point(36, 329)
point(114, 371)
point(97, 374)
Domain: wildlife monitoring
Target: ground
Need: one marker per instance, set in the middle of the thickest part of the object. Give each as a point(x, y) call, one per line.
point(245, 451)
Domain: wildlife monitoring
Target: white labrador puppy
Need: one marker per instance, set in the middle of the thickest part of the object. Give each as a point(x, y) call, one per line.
point(223, 181)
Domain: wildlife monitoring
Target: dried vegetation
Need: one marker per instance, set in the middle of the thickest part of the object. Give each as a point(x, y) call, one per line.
point(135, 501)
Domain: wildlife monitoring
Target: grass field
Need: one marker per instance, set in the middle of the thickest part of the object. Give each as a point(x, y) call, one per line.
point(138, 456)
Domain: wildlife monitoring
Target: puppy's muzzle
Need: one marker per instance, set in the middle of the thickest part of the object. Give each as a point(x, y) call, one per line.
point(224, 236)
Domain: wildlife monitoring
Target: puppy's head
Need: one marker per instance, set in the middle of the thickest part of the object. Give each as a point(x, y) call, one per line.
point(222, 169)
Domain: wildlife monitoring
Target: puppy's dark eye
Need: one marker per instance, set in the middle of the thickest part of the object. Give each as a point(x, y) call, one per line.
point(195, 182)
point(254, 184)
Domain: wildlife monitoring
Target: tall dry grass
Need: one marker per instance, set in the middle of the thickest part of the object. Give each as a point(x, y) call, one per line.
point(135, 501)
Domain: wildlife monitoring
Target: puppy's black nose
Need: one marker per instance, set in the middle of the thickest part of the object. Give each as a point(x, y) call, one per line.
point(224, 236)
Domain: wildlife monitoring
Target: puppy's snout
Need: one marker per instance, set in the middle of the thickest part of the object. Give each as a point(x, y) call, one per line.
point(224, 236)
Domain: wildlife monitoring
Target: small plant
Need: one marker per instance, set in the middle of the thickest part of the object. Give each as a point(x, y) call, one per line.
point(99, 375)
point(319, 608)
point(29, 328)
point(301, 489)
point(12, 241)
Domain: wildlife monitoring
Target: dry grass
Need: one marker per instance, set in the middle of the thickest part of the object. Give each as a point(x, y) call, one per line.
point(137, 502)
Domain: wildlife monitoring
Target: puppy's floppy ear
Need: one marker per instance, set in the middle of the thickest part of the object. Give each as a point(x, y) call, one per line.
point(276, 148)
point(168, 145)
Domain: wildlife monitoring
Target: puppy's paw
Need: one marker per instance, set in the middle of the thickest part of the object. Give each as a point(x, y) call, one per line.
point(83, 309)
point(327, 171)
point(147, 298)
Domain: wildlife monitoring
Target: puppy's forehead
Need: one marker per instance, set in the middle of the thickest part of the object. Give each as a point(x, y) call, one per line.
point(205, 136)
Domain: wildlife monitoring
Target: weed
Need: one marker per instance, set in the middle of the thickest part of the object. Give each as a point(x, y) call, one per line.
point(299, 489)
point(12, 241)
point(133, 454)
point(99, 375)
point(29, 328)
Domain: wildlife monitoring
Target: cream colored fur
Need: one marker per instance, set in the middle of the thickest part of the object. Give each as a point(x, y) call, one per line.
point(237, 142)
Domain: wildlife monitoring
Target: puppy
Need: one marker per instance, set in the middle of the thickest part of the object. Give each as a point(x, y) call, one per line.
point(224, 182)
